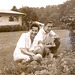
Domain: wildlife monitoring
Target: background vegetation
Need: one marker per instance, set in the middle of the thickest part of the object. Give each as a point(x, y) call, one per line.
point(59, 14)
point(56, 13)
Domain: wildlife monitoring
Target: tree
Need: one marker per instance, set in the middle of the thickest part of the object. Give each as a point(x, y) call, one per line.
point(14, 8)
point(30, 14)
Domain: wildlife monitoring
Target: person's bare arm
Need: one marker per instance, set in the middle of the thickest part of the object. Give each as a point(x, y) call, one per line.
point(25, 51)
point(48, 46)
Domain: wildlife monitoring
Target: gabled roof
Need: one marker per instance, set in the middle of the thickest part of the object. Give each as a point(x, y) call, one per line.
point(11, 12)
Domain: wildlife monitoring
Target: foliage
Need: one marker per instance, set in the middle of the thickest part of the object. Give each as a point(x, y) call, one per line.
point(30, 15)
point(56, 13)
point(14, 8)
point(63, 65)
point(11, 28)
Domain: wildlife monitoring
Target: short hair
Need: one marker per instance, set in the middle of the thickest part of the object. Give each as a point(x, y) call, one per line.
point(48, 22)
point(71, 24)
point(34, 25)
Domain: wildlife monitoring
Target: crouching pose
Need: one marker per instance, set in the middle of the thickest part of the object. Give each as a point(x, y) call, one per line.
point(47, 39)
point(23, 52)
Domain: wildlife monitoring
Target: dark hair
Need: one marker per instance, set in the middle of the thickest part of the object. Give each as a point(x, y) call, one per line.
point(71, 25)
point(48, 22)
point(34, 25)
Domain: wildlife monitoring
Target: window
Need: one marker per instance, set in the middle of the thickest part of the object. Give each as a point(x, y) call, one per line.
point(0, 18)
point(13, 18)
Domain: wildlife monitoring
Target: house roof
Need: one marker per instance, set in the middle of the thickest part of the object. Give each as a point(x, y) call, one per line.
point(11, 12)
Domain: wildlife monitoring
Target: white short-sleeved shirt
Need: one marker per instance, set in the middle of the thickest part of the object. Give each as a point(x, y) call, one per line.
point(23, 42)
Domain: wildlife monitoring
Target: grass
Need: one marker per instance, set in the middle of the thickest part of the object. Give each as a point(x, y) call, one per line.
point(8, 42)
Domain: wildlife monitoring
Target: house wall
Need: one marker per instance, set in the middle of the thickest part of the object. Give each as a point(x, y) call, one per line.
point(4, 19)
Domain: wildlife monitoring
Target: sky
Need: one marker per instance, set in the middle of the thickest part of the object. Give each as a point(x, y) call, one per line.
point(8, 4)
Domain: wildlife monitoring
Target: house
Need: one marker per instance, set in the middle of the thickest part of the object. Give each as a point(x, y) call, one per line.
point(10, 18)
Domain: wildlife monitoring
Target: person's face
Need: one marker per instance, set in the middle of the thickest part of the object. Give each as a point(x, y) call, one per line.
point(48, 27)
point(34, 31)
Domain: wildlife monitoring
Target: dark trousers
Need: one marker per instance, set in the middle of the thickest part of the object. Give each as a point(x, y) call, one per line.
point(54, 49)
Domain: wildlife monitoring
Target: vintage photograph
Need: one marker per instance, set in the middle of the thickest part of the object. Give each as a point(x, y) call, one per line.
point(37, 37)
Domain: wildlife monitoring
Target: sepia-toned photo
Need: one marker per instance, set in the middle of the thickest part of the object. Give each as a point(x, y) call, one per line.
point(37, 37)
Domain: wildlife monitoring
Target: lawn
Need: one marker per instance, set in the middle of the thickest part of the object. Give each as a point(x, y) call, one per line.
point(8, 42)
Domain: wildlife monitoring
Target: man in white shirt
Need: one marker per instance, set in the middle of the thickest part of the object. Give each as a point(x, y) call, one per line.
point(22, 51)
point(47, 38)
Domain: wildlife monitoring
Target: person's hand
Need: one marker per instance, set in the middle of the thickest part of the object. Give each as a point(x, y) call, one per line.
point(49, 46)
point(36, 50)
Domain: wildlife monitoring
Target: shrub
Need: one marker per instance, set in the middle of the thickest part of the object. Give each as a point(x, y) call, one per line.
point(10, 28)
point(62, 27)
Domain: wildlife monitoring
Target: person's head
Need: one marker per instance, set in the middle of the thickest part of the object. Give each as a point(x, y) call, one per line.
point(48, 26)
point(34, 29)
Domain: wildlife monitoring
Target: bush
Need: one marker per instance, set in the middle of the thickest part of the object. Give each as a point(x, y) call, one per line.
point(56, 28)
point(62, 27)
point(10, 28)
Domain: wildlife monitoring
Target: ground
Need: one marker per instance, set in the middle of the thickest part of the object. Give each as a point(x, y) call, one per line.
point(62, 65)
